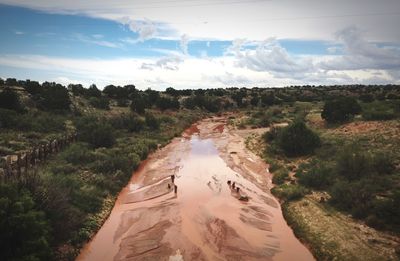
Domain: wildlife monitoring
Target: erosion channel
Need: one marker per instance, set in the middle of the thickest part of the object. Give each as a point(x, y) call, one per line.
point(204, 220)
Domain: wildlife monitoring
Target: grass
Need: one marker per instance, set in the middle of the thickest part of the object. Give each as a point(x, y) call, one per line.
point(331, 235)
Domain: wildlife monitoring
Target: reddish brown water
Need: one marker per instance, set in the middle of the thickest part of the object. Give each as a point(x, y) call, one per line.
point(205, 220)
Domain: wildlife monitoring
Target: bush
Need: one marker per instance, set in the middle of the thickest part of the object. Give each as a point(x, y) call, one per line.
point(289, 192)
point(77, 154)
point(9, 99)
point(87, 198)
point(100, 103)
point(109, 161)
point(54, 97)
point(53, 193)
point(319, 176)
point(152, 122)
point(128, 122)
point(24, 230)
point(355, 197)
point(353, 164)
point(280, 176)
point(138, 105)
point(40, 121)
point(95, 132)
point(340, 110)
point(297, 139)
point(8, 119)
point(379, 111)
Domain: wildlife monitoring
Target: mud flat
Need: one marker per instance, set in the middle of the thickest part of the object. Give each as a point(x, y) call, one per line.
point(204, 220)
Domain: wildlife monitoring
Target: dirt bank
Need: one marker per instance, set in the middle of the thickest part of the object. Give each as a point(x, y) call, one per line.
point(205, 220)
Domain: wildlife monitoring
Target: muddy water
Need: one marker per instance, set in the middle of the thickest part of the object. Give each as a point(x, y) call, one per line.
point(204, 220)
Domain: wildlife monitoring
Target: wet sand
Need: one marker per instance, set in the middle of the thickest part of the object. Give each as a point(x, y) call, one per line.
point(205, 220)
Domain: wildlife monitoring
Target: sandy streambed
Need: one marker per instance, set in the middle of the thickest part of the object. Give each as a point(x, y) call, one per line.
point(204, 220)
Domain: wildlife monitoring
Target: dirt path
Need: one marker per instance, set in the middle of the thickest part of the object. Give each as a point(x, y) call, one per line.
point(205, 220)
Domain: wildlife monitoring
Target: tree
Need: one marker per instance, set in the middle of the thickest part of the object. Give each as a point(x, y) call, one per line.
point(171, 91)
point(340, 110)
point(77, 89)
point(297, 139)
point(11, 82)
point(238, 97)
point(267, 99)
point(9, 99)
point(24, 230)
point(164, 103)
point(93, 91)
point(54, 97)
point(254, 100)
point(33, 87)
point(138, 105)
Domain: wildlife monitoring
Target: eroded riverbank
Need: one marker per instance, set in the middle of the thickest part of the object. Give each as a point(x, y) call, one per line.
point(204, 220)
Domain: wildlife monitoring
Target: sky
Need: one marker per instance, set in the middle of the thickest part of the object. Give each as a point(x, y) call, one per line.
point(201, 43)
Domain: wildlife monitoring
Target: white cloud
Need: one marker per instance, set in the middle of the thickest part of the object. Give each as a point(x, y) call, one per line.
point(19, 32)
point(361, 54)
point(168, 63)
point(145, 28)
point(256, 20)
point(184, 44)
point(269, 56)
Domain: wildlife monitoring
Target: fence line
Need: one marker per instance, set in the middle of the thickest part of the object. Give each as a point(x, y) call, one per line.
point(19, 164)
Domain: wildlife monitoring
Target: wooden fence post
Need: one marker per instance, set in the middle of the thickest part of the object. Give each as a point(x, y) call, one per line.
point(8, 166)
point(19, 165)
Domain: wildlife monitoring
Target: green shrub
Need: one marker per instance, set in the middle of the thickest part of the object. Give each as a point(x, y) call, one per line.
point(340, 110)
point(40, 121)
point(319, 176)
point(138, 105)
point(54, 97)
point(9, 100)
point(352, 163)
point(8, 119)
point(109, 161)
point(100, 103)
point(297, 139)
point(379, 110)
point(355, 197)
point(289, 192)
point(128, 122)
point(24, 230)
point(77, 154)
point(152, 122)
point(279, 176)
point(53, 193)
point(88, 198)
point(96, 132)
point(383, 163)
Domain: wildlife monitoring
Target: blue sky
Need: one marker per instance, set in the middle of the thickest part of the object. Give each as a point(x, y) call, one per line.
point(101, 43)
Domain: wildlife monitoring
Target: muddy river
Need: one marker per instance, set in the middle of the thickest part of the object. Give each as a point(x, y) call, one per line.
point(206, 219)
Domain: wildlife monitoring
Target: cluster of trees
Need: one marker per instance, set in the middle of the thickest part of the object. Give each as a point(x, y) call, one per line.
point(340, 110)
point(336, 109)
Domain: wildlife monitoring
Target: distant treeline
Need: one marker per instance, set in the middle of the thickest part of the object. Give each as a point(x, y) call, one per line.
point(54, 96)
